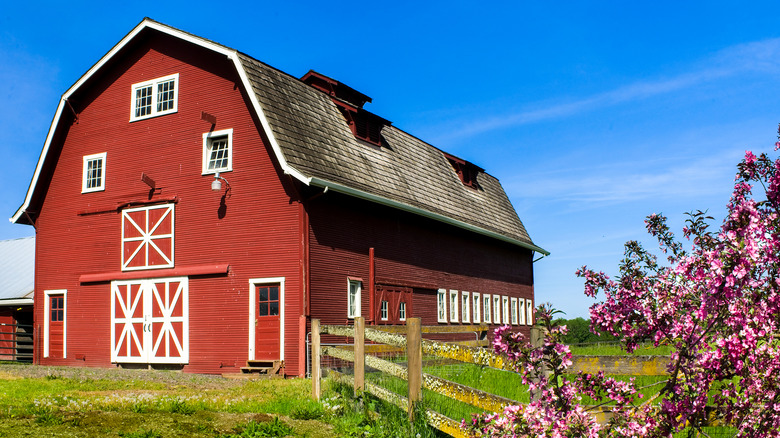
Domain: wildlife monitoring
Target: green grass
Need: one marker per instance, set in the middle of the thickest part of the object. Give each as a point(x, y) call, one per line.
point(616, 350)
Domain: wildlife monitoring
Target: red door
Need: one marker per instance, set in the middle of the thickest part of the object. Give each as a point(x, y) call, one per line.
point(267, 330)
point(56, 325)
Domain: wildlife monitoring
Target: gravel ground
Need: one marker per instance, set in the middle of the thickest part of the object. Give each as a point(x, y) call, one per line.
point(172, 378)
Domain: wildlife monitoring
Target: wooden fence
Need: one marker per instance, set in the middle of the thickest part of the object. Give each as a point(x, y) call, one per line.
point(408, 339)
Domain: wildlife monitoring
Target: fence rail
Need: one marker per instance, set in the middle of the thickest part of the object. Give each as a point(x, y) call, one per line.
point(16, 342)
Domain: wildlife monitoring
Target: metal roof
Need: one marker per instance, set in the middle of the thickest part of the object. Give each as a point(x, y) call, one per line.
point(17, 268)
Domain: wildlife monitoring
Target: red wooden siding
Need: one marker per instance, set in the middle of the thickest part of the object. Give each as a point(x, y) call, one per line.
point(254, 228)
point(411, 252)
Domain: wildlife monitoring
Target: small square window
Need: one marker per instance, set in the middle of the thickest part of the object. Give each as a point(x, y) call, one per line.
point(383, 310)
point(402, 311)
point(453, 306)
point(353, 298)
point(155, 98)
point(94, 173)
point(441, 305)
point(217, 151)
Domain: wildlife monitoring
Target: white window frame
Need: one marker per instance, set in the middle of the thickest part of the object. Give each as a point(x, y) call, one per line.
point(154, 84)
point(486, 308)
point(441, 305)
point(383, 310)
point(353, 299)
point(529, 311)
point(402, 311)
point(496, 309)
point(521, 311)
point(513, 310)
point(465, 303)
point(505, 309)
point(47, 312)
point(253, 284)
point(208, 138)
point(84, 173)
point(453, 305)
point(475, 300)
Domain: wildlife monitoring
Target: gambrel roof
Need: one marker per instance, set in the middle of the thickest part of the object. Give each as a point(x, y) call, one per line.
point(313, 143)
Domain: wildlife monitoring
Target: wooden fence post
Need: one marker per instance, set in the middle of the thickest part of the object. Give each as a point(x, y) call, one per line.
point(414, 357)
point(315, 359)
point(360, 358)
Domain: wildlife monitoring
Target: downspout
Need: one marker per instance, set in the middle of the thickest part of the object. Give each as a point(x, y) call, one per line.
point(371, 285)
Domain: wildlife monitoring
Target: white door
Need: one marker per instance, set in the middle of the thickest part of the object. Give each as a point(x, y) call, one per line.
point(150, 321)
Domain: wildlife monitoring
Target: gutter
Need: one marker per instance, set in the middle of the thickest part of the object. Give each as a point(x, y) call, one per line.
point(425, 213)
point(17, 302)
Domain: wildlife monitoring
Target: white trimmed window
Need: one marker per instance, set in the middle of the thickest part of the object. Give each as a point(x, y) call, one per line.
point(453, 306)
point(496, 309)
point(94, 173)
point(155, 98)
point(402, 311)
point(383, 310)
point(529, 314)
point(217, 151)
point(475, 307)
point(521, 311)
point(441, 305)
point(513, 310)
point(505, 307)
point(353, 297)
point(486, 308)
point(465, 306)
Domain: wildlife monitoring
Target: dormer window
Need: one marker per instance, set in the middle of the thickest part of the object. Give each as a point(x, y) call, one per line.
point(155, 98)
point(364, 125)
point(467, 172)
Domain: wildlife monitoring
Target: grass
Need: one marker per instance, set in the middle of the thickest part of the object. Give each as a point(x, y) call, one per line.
point(607, 349)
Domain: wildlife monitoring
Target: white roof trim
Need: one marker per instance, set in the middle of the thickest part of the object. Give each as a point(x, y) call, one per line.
point(17, 302)
point(151, 24)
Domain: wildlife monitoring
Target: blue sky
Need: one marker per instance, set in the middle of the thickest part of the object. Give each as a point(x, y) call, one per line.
point(592, 114)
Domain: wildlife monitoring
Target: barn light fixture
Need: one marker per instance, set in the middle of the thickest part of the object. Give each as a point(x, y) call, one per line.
point(216, 185)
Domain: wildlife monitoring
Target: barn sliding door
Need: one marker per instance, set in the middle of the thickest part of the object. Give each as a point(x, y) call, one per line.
point(150, 321)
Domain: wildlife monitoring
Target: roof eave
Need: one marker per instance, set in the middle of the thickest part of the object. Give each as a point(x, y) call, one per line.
point(425, 213)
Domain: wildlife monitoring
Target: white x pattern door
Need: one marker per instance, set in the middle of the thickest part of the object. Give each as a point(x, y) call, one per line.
point(150, 321)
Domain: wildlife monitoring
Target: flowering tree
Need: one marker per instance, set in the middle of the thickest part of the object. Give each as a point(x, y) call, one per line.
point(717, 304)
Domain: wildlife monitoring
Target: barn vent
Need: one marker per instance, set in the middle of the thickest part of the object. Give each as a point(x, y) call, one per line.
point(365, 125)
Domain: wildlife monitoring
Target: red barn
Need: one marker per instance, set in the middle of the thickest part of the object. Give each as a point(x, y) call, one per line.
point(194, 208)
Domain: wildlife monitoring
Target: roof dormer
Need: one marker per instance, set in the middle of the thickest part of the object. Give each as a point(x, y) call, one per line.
point(365, 125)
point(466, 171)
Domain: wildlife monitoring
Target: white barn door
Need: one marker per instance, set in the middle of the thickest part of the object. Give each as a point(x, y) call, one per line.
point(150, 321)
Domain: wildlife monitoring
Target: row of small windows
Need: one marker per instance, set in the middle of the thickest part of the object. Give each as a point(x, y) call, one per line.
point(478, 308)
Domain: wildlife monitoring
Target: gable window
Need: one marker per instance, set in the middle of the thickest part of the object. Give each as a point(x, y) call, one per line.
point(218, 151)
point(402, 311)
point(94, 173)
point(353, 297)
point(441, 306)
point(155, 98)
point(453, 306)
point(475, 307)
point(486, 308)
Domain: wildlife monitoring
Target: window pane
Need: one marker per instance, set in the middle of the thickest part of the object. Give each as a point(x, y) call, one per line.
point(165, 95)
point(262, 309)
point(262, 293)
point(274, 308)
point(218, 153)
point(274, 293)
point(143, 101)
